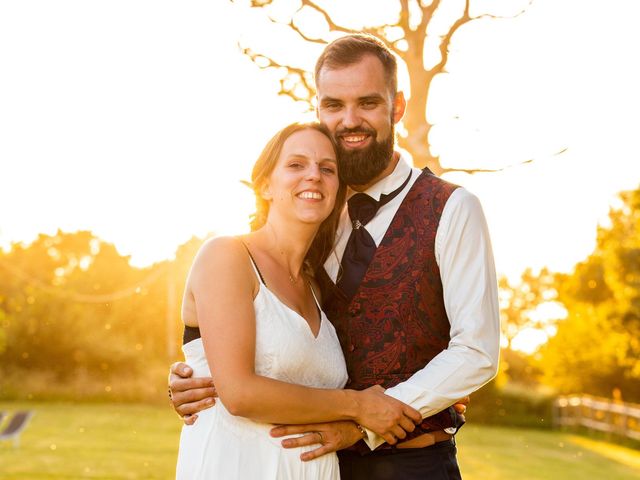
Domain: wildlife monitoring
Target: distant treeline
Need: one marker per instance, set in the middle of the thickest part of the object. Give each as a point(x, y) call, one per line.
point(78, 321)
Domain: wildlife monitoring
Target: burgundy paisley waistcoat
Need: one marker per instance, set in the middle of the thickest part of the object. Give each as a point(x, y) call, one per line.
point(396, 322)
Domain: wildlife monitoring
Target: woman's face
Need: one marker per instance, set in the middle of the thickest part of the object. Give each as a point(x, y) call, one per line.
point(304, 182)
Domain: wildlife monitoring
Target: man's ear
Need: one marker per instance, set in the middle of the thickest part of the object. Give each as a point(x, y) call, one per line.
point(399, 107)
point(317, 108)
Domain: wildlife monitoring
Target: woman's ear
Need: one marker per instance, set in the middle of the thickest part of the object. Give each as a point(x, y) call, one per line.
point(265, 192)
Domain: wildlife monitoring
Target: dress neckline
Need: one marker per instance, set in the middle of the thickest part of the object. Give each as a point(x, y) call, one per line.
point(262, 283)
point(295, 312)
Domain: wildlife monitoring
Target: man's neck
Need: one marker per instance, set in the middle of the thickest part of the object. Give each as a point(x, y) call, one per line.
point(385, 173)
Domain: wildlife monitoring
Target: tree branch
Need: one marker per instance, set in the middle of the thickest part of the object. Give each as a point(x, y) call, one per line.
point(446, 39)
point(293, 76)
point(333, 26)
point(508, 17)
point(464, 19)
point(427, 14)
point(471, 171)
point(299, 31)
point(403, 20)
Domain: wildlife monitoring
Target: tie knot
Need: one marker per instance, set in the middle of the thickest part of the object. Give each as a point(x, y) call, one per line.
point(362, 208)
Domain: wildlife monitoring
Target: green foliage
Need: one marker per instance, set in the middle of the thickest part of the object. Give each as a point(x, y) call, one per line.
point(3, 323)
point(85, 323)
point(597, 347)
point(519, 302)
point(511, 405)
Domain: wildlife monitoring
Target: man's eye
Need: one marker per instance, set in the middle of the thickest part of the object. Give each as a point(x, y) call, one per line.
point(369, 104)
point(332, 106)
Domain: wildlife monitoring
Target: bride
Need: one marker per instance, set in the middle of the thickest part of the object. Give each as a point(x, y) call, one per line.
point(253, 321)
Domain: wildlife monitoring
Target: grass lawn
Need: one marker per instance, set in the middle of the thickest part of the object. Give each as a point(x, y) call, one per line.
point(492, 453)
point(120, 441)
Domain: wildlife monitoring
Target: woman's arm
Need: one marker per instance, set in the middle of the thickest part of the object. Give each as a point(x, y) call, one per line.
point(224, 285)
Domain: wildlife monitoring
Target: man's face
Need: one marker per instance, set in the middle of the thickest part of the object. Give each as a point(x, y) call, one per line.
point(355, 103)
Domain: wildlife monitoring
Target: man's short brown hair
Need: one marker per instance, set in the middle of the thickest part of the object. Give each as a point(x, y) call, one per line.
point(350, 49)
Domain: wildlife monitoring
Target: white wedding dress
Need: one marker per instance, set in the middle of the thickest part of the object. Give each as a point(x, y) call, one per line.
point(222, 446)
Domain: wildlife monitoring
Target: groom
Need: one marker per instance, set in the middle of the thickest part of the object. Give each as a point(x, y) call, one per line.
point(411, 287)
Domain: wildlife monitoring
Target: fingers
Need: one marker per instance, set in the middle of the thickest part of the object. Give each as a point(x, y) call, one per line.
point(283, 430)
point(192, 407)
point(407, 424)
point(461, 409)
point(389, 438)
point(189, 419)
point(461, 405)
point(192, 395)
point(307, 439)
point(179, 384)
point(181, 369)
point(318, 452)
point(399, 433)
point(413, 414)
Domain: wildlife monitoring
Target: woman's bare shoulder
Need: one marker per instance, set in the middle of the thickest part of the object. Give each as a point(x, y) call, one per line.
point(220, 255)
point(221, 249)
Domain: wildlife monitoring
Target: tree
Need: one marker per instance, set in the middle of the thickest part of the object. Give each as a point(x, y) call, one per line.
point(521, 303)
point(420, 33)
point(3, 323)
point(77, 320)
point(597, 347)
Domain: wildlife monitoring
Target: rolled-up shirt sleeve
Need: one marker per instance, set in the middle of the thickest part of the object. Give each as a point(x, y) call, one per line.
point(465, 258)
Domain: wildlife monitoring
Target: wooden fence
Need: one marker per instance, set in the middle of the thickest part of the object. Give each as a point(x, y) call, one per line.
point(602, 414)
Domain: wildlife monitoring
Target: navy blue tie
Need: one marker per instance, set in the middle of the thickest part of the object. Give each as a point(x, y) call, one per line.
point(361, 247)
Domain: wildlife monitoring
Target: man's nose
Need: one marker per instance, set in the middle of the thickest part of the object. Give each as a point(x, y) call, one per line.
point(351, 118)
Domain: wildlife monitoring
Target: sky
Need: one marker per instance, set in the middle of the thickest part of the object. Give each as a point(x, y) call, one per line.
point(137, 120)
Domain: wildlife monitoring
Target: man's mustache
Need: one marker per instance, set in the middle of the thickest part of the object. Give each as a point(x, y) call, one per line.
point(355, 131)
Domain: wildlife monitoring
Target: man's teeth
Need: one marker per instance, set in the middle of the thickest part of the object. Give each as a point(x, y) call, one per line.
point(358, 138)
point(311, 195)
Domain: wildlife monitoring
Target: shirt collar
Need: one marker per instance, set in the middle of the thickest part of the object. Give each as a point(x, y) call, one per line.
point(389, 183)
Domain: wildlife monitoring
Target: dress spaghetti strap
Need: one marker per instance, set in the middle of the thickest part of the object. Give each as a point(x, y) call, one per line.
point(254, 264)
point(315, 298)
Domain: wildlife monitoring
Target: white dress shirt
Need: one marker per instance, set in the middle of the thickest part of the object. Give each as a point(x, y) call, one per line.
point(465, 259)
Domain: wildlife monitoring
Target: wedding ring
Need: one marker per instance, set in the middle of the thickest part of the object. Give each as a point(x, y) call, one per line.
point(321, 438)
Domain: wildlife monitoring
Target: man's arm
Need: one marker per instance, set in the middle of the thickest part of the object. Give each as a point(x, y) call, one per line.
point(189, 395)
point(334, 435)
point(465, 259)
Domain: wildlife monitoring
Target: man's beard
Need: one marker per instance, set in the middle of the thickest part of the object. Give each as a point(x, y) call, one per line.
point(360, 167)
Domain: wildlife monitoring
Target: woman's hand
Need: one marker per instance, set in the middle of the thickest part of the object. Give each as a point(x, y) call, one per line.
point(384, 415)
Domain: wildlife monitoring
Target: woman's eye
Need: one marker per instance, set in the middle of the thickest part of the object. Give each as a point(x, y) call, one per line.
point(328, 170)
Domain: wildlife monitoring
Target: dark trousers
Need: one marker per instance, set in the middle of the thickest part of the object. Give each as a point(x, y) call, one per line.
point(436, 462)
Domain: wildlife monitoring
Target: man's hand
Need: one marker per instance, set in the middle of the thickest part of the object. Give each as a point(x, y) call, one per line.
point(461, 405)
point(189, 395)
point(386, 416)
point(332, 436)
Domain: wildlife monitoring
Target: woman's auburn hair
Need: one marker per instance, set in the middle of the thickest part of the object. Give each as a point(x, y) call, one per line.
point(262, 170)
